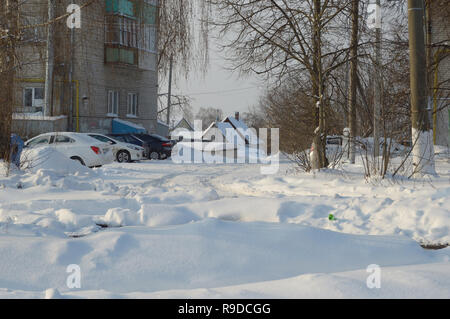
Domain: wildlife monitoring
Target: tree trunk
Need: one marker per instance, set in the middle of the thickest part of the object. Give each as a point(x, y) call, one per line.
point(317, 82)
point(353, 80)
point(377, 94)
point(7, 74)
point(422, 135)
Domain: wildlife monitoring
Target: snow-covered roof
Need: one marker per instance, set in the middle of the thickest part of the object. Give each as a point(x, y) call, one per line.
point(242, 129)
point(209, 128)
point(231, 123)
point(187, 122)
point(236, 123)
point(223, 127)
point(38, 116)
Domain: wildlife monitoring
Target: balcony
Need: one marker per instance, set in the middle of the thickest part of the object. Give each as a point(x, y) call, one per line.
point(121, 7)
point(130, 27)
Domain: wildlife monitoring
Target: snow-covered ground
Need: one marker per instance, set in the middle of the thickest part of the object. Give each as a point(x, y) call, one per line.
point(166, 230)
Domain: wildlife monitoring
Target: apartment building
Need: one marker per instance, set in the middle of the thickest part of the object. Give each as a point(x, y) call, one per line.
point(104, 70)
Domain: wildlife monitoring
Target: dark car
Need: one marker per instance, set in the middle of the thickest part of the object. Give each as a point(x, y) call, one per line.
point(334, 140)
point(131, 139)
point(159, 146)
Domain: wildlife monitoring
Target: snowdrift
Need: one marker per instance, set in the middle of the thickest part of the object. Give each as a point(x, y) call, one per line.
point(48, 158)
point(205, 254)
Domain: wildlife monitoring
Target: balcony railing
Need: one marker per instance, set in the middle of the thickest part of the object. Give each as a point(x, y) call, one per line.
point(130, 26)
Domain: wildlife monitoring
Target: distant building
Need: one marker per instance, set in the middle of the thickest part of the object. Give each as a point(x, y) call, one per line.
point(183, 124)
point(247, 134)
point(183, 131)
point(105, 70)
point(241, 133)
point(217, 132)
point(232, 134)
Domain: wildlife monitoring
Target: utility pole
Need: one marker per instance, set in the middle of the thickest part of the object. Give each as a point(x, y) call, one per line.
point(169, 94)
point(353, 79)
point(422, 135)
point(378, 86)
point(70, 126)
point(48, 97)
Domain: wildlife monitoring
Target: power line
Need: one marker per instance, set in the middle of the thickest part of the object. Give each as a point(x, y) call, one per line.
point(222, 91)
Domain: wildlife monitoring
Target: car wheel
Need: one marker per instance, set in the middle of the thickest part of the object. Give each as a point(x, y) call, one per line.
point(154, 155)
point(123, 157)
point(79, 160)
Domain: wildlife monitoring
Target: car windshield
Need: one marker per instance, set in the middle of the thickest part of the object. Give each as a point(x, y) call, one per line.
point(127, 139)
point(101, 138)
point(39, 140)
point(118, 138)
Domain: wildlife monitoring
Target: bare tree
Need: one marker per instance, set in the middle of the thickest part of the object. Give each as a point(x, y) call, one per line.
point(280, 39)
point(183, 35)
point(209, 115)
point(180, 108)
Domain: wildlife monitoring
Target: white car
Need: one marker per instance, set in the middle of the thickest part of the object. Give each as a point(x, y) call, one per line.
point(123, 152)
point(76, 146)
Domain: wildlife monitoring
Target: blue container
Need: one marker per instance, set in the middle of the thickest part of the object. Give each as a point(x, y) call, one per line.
point(125, 127)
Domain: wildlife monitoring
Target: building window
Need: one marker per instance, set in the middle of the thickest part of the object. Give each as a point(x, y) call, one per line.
point(113, 103)
point(132, 104)
point(149, 42)
point(150, 12)
point(124, 7)
point(120, 55)
point(33, 98)
point(120, 30)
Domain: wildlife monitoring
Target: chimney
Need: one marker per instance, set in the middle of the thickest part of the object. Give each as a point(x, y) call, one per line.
point(236, 116)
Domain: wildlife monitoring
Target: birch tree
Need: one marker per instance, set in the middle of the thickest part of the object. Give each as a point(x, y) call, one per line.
point(183, 34)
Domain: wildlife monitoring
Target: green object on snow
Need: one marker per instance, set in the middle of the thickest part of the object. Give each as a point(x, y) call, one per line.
point(331, 217)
